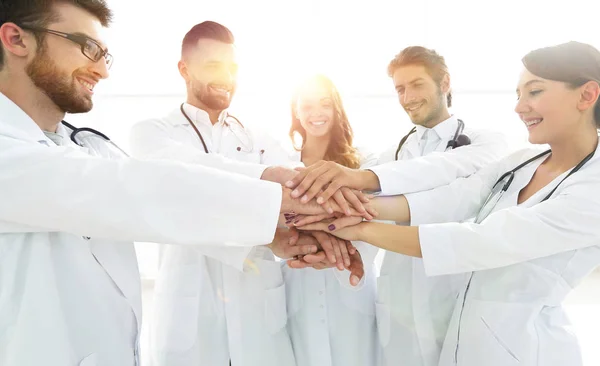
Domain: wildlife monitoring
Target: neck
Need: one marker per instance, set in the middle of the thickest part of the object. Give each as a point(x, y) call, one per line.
point(213, 114)
point(441, 117)
point(570, 151)
point(314, 149)
point(35, 103)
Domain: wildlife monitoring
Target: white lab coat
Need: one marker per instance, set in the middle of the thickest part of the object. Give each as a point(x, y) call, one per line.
point(527, 257)
point(330, 322)
point(215, 304)
point(67, 300)
point(413, 310)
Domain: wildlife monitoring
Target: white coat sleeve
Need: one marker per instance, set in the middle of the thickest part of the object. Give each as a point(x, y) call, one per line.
point(63, 189)
point(151, 140)
point(565, 222)
point(441, 168)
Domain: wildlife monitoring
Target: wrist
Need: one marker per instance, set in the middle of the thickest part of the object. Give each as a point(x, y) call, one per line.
point(368, 181)
point(362, 231)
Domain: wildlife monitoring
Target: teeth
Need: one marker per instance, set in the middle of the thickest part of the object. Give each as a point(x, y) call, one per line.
point(318, 123)
point(533, 122)
point(87, 85)
point(413, 108)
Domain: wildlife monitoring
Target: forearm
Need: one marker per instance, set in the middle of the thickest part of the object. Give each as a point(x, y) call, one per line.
point(393, 208)
point(369, 181)
point(399, 239)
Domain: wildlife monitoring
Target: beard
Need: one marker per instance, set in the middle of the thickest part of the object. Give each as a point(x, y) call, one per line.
point(60, 87)
point(434, 113)
point(210, 99)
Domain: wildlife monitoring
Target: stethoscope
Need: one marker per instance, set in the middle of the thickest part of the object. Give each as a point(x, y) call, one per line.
point(246, 141)
point(457, 141)
point(499, 189)
point(492, 200)
point(85, 136)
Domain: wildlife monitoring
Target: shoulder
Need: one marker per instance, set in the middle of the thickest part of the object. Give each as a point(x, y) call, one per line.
point(368, 157)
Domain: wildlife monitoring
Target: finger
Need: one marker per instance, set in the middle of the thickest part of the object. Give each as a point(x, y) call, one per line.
point(327, 246)
point(315, 258)
point(309, 176)
point(364, 198)
point(300, 250)
point(340, 199)
point(351, 248)
point(353, 199)
point(305, 220)
point(344, 251)
point(372, 212)
point(334, 225)
point(338, 253)
point(328, 208)
point(357, 270)
point(293, 183)
point(297, 264)
point(294, 236)
point(328, 193)
point(324, 178)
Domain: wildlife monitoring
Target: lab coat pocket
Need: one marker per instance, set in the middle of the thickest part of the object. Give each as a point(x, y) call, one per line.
point(175, 327)
point(91, 360)
point(361, 300)
point(382, 309)
point(275, 309)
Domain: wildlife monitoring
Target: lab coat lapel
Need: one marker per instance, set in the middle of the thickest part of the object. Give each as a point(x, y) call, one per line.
point(411, 148)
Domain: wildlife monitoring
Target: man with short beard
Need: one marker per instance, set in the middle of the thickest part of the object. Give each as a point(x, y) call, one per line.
point(69, 283)
point(225, 321)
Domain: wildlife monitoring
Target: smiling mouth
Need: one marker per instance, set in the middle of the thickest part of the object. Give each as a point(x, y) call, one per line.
point(89, 86)
point(221, 89)
point(533, 122)
point(414, 108)
point(318, 123)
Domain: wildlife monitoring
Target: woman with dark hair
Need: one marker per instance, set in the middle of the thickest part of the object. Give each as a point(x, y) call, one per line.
point(329, 322)
point(535, 233)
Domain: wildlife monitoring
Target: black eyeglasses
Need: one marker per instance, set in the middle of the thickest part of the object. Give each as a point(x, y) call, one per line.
point(89, 47)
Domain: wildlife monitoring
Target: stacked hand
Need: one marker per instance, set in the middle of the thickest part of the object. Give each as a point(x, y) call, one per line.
point(321, 200)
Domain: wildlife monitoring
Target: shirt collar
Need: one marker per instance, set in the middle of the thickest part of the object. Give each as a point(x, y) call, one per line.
point(200, 116)
point(14, 122)
point(444, 130)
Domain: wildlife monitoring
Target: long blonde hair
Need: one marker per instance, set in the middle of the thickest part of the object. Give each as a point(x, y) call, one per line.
point(340, 149)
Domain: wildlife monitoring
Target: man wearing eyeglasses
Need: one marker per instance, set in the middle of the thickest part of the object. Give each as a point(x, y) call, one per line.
point(69, 284)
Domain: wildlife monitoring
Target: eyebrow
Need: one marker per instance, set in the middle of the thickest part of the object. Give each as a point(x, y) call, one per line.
point(410, 82)
point(90, 38)
point(529, 83)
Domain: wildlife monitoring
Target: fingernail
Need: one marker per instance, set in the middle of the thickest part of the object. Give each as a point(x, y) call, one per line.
point(330, 210)
point(320, 200)
point(295, 193)
point(354, 280)
point(288, 221)
point(289, 184)
point(332, 258)
point(304, 199)
point(348, 213)
point(331, 227)
point(347, 262)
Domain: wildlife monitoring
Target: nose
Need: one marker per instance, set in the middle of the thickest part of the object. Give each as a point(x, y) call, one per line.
point(408, 96)
point(521, 106)
point(100, 69)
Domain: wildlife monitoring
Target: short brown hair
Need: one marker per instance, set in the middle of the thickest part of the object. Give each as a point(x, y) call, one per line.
point(39, 13)
point(573, 63)
point(431, 60)
point(206, 30)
